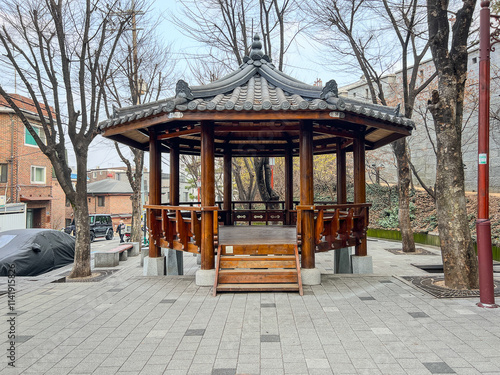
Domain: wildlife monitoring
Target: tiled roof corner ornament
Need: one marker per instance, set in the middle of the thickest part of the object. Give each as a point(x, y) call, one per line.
point(115, 110)
point(330, 89)
point(397, 109)
point(182, 90)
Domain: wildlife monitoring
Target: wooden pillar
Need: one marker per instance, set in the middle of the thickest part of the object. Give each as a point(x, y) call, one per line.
point(359, 182)
point(207, 195)
point(174, 175)
point(174, 196)
point(228, 187)
point(307, 194)
point(154, 184)
point(288, 184)
point(341, 174)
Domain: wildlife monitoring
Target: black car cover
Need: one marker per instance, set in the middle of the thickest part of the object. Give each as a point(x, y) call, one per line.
point(35, 251)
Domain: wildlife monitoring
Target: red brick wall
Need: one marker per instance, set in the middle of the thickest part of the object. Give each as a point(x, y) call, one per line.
point(20, 158)
point(58, 206)
point(118, 206)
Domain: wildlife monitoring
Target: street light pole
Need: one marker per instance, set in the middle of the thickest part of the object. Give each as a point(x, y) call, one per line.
point(483, 224)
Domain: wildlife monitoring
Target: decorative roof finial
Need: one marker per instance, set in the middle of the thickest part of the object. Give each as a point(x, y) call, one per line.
point(182, 90)
point(256, 52)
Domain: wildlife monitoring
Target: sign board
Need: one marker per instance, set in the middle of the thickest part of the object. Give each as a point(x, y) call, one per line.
point(2, 200)
point(482, 158)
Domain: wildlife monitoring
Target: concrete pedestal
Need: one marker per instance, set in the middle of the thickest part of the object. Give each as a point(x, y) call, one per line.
point(342, 260)
point(124, 255)
point(205, 277)
point(171, 261)
point(362, 265)
point(144, 253)
point(310, 276)
point(154, 266)
point(134, 251)
point(106, 260)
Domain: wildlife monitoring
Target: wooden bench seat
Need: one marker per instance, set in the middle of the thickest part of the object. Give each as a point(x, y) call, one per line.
point(112, 257)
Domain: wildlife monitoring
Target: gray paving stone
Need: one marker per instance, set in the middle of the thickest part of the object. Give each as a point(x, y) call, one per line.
point(439, 368)
point(224, 371)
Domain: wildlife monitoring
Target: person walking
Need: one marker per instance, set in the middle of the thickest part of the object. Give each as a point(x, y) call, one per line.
point(121, 230)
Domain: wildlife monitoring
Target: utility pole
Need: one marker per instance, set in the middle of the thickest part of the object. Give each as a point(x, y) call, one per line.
point(483, 224)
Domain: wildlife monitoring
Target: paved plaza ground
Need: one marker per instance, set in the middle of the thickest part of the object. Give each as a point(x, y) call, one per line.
point(350, 324)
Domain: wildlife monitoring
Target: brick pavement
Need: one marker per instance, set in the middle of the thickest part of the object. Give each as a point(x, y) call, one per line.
point(351, 324)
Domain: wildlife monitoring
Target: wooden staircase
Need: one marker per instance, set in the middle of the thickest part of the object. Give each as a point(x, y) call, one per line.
point(258, 268)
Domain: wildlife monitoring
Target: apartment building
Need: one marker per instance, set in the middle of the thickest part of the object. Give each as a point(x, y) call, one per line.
point(25, 172)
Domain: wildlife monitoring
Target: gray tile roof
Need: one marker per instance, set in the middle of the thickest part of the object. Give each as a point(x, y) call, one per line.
point(257, 85)
point(109, 186)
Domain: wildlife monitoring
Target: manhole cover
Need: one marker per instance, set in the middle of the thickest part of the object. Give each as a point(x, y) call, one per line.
point(97, 275)
point(432, 285)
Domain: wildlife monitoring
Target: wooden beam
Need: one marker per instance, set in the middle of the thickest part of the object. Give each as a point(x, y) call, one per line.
point(307, 194)
point(179, 133)
point(129, 142)
point(207, 195)
point(154, 185)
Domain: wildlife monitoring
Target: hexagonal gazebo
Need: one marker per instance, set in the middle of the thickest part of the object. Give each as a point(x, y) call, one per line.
point(257, 110)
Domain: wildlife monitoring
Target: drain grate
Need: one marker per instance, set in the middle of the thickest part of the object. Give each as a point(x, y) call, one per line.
point(418, 251)
point(97, 275)
point(432, 285)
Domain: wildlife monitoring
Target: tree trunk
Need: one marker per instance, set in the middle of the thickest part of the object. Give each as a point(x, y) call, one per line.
point(263, 177)
point(136, 232)
point(81, 266)
point(400, 151)
point(446, 107)
point(457, 251)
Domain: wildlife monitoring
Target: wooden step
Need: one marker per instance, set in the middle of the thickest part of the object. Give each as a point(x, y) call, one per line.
point(269, 261)
point(246, 276)
point(258, 287)
point(253, 249)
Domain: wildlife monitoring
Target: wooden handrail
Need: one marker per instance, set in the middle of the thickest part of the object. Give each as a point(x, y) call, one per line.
point(183, 208)
point(309, 207)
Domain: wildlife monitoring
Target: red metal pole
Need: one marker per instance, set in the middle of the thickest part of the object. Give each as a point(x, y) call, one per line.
point(483, 225)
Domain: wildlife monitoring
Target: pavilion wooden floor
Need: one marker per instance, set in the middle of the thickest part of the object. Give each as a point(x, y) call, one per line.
point(257, 234)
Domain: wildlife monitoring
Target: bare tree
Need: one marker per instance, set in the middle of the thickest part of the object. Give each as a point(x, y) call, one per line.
point(404, 21)
point(140, 72)
point(446, 107)
point(225, 28)
point(61, 50)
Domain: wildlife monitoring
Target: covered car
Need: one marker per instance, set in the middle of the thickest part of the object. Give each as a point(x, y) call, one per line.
point(35, 251)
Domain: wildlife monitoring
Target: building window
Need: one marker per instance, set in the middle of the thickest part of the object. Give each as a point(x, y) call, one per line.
point(3, 172)
point(29, 140)
point(474, 60)
point(94, 175)
point(100, 201)
point(37, 175)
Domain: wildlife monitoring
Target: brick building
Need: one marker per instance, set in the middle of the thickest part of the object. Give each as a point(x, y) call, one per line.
point(110, 196)
point(25, 172)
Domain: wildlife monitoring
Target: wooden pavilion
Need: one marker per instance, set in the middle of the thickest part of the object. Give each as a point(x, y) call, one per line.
point(256, 110)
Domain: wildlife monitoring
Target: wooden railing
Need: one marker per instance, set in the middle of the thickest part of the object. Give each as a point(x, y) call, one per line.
point(336, 226)
point(179, 227)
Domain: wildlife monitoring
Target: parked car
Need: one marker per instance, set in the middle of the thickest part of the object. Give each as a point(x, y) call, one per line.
point(31, 252)
point(100, 226)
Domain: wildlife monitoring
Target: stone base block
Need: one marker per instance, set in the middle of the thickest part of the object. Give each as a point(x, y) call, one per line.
point(171, 261)
point(144, 253)
point(134, 251)
point(106, 259)
point(342, 260)
point(124, 255)
point(310, 276)
point(362, 265)
point(154, 266)
point(205, 277)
